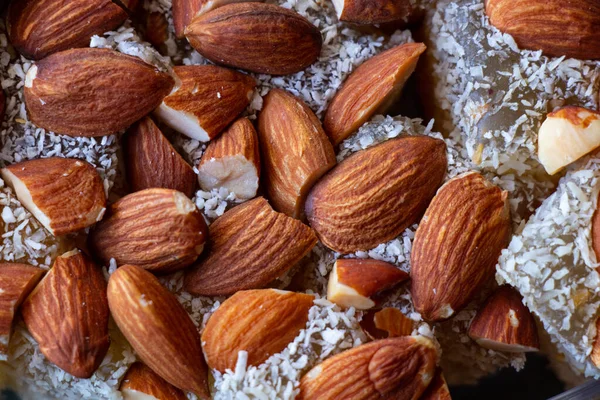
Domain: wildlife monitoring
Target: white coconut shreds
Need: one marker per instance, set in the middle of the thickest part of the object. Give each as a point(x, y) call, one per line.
point(552, 264)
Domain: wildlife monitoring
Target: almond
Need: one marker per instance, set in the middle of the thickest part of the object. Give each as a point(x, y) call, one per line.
point(38, 28)
point(141, 383)
point(504, 323)
point(353, 282)
point(158, 328)
point(457, 245)
point(595, 355)
point(232, 161)
point(250, 245)
point(152, 162)
point(260, 322)
point(386, 323)
point(372, 11)
point(16, 282)
point(157, 30)
point(398, 368)
point(66, 195)
point(256, 37)
point(596, 232)
point(556, 27)
point(92, 92)
point(371, 89)
point(205, 100)
point(67, 314)
point(375, 194)
point(157, 229)
point(295, 150)
point(438, 388)
point(567, 135)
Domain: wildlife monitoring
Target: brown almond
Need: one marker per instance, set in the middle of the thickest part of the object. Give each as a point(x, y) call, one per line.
point(596, 233)
point(156, 30)
point(438, 388)
point(141, 380)
point(386, 323)
point(372, 11)
point(595, 355)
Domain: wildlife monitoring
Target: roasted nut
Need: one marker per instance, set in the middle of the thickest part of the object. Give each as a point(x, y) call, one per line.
point(438, 388)
point(372, 11)
point(386, 323)
point(141, 383)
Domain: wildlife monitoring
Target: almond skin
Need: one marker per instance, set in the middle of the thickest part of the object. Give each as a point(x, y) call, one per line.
point(596, 233)
point(438, 388)
point(261, 322)
point(38, 28)
point(92, 92)
point(158, 328)
point(556, 27)
point(152, 162)
point(595, 355)
point(457, 245)
point(386, 323)
point(67, 314)
point(157, 30)
point(140, 379)
point(16, 282)
point(295, 151)
point(250, 246)
point(371, 89)
point(65, 194)
point(398, 368)
point(372, 11)
point(162, 222)
point(350, 212)
point(256, 37)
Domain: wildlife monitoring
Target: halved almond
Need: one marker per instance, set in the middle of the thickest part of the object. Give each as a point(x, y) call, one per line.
point(372, 11)
point(141, 383)
point(385, 323)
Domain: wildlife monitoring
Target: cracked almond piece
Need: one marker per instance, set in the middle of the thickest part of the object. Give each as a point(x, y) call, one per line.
point(353, 282)
point(295, 151)
point(250, 246)
point(16, 282)
point(141, 383)
point(65, 195)
point(399, 368)
point(567, 135)
point(261, 322)
point(67, 314)
point(152, 162)
point(158, 328)
point(232, 161)
point(457, 245)
point(372, 11)
point(375, 194)
point(438, 388)
point(386, 323)
point(156, 30)
point(160, 230)
point(504, 323)
point(371, 89)
point(205, 100)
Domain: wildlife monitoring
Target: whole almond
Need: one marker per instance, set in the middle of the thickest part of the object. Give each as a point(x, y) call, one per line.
point(457, 245)
point(256, 37)
point(158, 328)
point(375, 194)
point(141, 380)
point(295, 151)
point(67, 314)
point(372, 11)
point(92, 92)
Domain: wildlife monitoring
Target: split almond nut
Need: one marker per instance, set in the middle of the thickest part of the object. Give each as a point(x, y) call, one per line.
point(504, 323)
point(351, 213)
point(567, 135)
point(65, 195)
point(260, 322)
point(16, 282)
point(205, 100)
point(158, 328)
point(256, 37)
point(67, 314)
point(232, 161)
point(398, 368)
point(372, 11)
point(38, 28)
point(92, 92)
point(371, 89)
point(250, 246)
point(457, 245)
point(141, 383)
point(386, 323)
point(152, 162)
point(438, 388)
point(160, 230)
point(295, 150)
point(353, 282)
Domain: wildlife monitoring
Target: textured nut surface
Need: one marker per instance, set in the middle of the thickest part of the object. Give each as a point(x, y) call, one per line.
point(261, 322)
point(375, 194)
point(250, 245)
point(158, 328)
point(386, 323)
point(67, 314)
point(295, 150)
point(64, 194)
point(438, 388)
point(257, 37)
point(372, 11)
point(457, 245)
point(141, 380)
point(92, 92)
point(157, 229)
